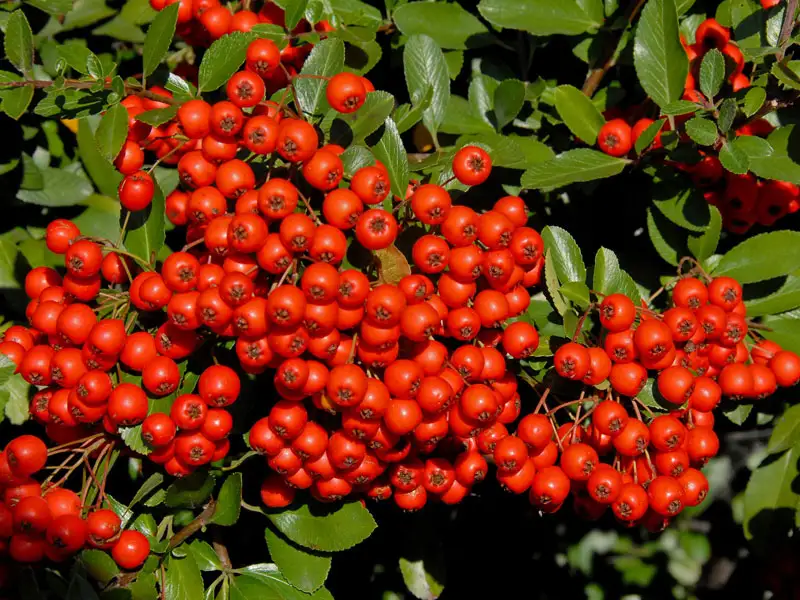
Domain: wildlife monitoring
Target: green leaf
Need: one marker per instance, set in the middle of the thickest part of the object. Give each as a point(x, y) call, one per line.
point(8, 256)
point(481, 97)
point(544, 17)
point(99, 565)
point(578, 113)
point(712, 73)
point(784, 329)
point(54, 8)
point(325, 60)
point(687, 208)
point(769, 490)
point(150, 484)
point(15, 101)
point(705, 244)
point(191, 491)
point(609, 278)
point(425, 67)
point(100, 218)
point(222, 59)
point(680, 107)
point(354, 158)
point(754, 100)
point(648, 136)
point(577, 292)
point(158, 116)
point(204, 556)
point(146, 228)
point(305, 570)
point(786, 297)
point(738, 414)
point(328, 528)
point(121, 29)
point(229, 501)
point(727, 114)
point(372, 114)
point(786, 432)
point(268, 31)
point(15, 394)
point(390, 151)
point(159, 38)
point(761, 257)
point(294, 12)
point(62, 187)
point(668, 239)
point(754, 147)
point(572, 166)
point(76, 54)
point(419, 581)
point(455, 62)
point(112, 132)
point(183, 579)
point(702, 131)
point(565, 253)
point(103, 173)
point(551, 283)
point(18, 42)
point(508, 100)
point(448, 24)
point(408, 115)
point(658, 55)
point(733, 159)
point(459, 118)
point(266, 582)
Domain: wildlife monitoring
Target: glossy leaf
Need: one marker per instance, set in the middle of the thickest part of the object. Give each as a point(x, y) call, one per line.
point(159, 38)
point(183, 579)
point(450, 25)
point(305, 570)
point(326, 529)
point(112, 132)
point(191, 491)
point(544, 17)
point(572, 166)
point(18, 42)
point(222, 59)
point(761, 257)
point(565, 254)
point(658, 55)
point(578, 113)
point(425, 67)
point(229, 501)
point(390, 151)
point(325, 60)
point(609, 278)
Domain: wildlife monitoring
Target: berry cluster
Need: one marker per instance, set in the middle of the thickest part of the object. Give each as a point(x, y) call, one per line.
point(699, 352)
point(38, 522)
point(200, 22)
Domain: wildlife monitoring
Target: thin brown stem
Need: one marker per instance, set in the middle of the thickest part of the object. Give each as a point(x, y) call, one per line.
point(611, 53)
point(193, 527)
point(787, 27)
point(76, 84)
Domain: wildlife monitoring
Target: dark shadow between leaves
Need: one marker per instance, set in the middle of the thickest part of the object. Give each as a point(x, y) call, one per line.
point(355, 57)
point(763, 288)
point(341, 133)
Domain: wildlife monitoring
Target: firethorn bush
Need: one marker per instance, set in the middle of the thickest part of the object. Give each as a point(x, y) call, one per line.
point(294, 280)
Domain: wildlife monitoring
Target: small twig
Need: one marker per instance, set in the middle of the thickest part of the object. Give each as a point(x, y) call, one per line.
point(787, 27)
point(597, 74)
point(193, 527)
point(85, 85)
point(222, 553)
